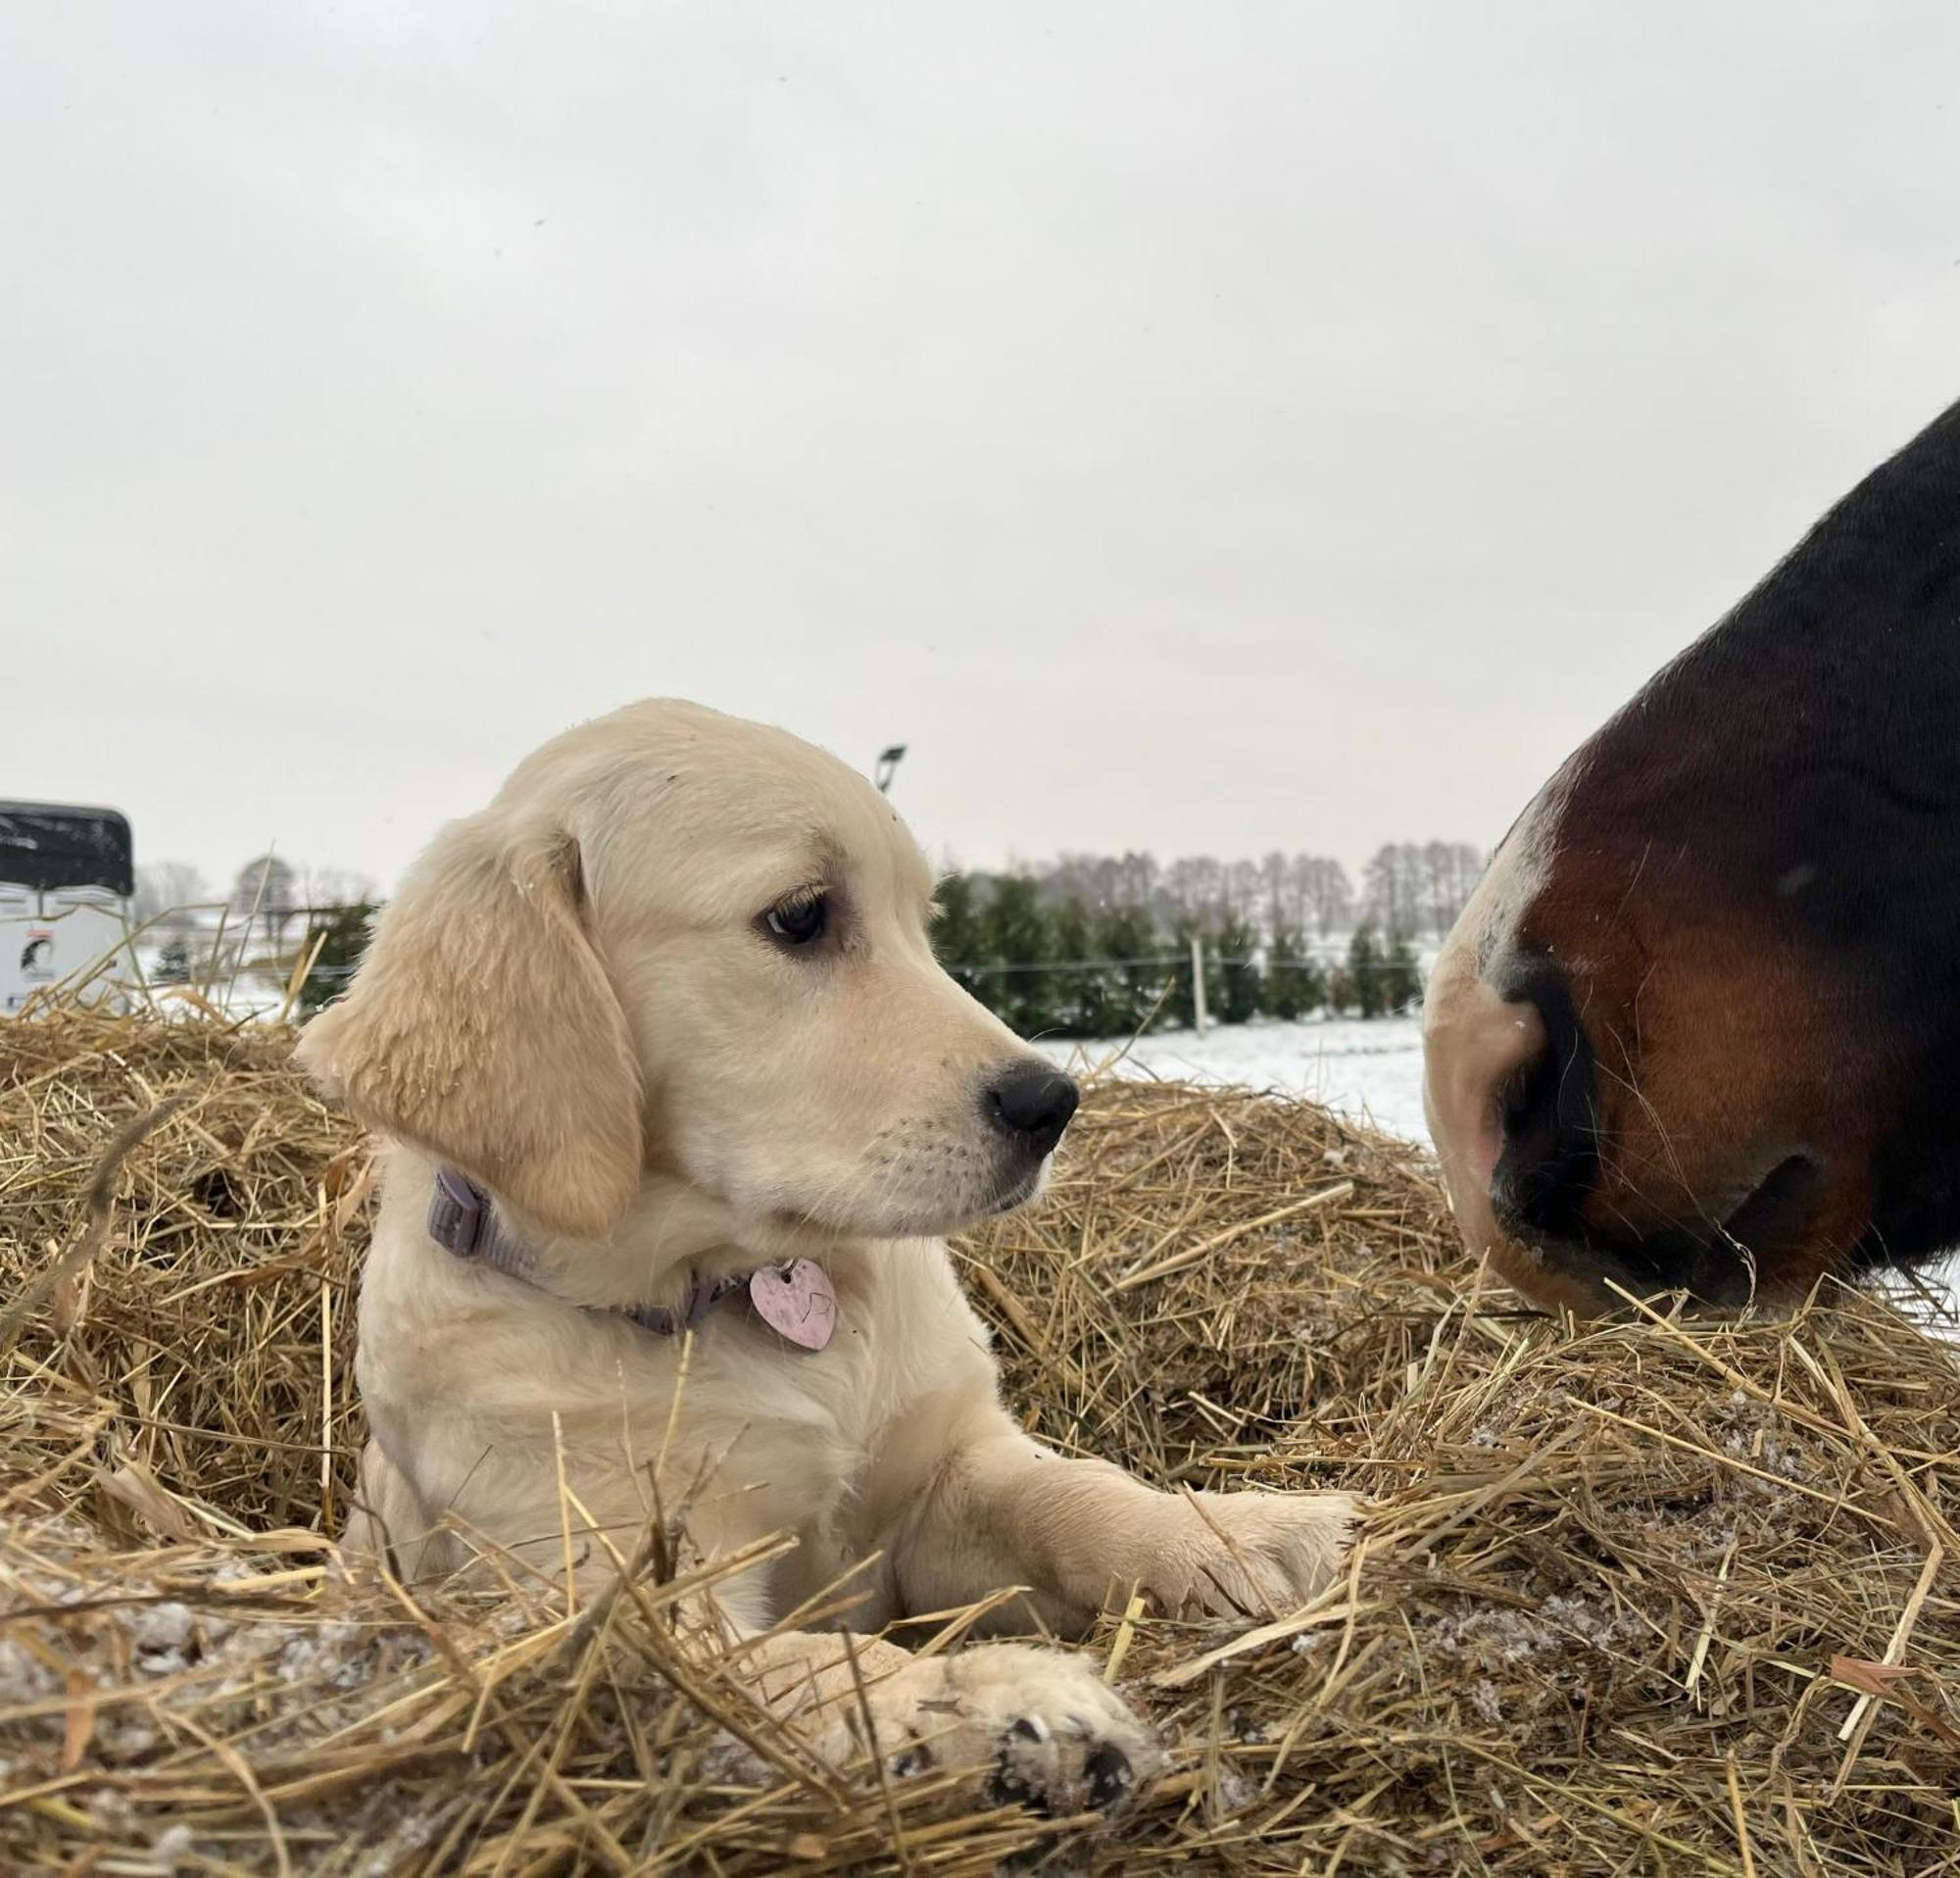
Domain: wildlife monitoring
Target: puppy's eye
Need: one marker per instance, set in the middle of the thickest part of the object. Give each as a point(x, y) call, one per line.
point(799, 921)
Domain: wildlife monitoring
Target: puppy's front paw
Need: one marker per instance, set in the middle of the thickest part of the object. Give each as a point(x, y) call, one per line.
point(1252, 1555)
point(1033, 1727)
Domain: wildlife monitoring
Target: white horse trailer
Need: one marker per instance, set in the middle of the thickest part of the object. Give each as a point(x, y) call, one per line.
point(67, 886)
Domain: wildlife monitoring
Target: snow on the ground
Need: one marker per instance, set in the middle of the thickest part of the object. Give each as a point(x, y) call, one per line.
point(1371, 1071)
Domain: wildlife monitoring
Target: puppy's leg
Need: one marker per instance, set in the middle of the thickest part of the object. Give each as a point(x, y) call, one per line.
point(1003, 1510)
point(1034, 1727)
point(1028, 1725)
point(387, 1525)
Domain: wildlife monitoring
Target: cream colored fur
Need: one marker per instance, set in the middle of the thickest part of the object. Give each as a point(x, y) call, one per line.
point(574, 999)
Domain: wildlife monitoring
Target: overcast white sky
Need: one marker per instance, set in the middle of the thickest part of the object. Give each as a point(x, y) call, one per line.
point(1202, 428)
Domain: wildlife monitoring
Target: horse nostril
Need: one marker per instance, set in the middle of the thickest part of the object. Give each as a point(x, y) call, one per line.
point(1033, 1103)
point(1550, 1158)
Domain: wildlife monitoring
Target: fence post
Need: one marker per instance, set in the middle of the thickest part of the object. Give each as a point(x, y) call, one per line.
point(1201, 1017)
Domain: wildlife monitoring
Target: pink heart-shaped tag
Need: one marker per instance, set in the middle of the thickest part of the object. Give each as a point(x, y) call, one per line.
point(796, 1302)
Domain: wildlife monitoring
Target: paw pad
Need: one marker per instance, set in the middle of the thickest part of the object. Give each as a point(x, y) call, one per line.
point(1109, 1775)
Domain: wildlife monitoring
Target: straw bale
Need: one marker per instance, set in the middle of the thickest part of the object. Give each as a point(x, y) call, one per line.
point(1649, 1595)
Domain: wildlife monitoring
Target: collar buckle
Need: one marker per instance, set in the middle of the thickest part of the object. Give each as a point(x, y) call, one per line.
point(456, 1212)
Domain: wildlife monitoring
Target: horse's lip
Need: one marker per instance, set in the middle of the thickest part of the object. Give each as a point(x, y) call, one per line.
point(1778, 1200)
point(1714, 1274)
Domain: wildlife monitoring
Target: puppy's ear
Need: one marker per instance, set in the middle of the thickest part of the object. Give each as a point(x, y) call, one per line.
point(481, 1028)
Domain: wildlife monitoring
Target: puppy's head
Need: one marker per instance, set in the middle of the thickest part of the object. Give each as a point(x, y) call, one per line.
point(684, 943)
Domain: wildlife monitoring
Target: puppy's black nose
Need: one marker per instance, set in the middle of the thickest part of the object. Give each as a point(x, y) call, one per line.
point(1033, 1103)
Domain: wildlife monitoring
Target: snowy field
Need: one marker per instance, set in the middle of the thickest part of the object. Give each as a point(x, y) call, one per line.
point(1370, 1071)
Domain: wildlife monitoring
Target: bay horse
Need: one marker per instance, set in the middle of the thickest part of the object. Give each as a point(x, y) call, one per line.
point(1698, 1028)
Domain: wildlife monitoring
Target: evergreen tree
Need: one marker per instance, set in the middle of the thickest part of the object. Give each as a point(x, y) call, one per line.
point(1017, 935)
point(1401, 977)
point(1076, 996)
point(1129, 990)
point(1365, 982)
point(342, 934)
point(266, 892)
point(1239, 990)
point(1294, 983)
point(958, 931)
point(173, 967)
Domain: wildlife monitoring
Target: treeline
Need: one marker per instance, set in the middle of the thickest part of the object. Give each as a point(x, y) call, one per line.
point(1084, 946)
point(1053, 961)
point(1408, 890)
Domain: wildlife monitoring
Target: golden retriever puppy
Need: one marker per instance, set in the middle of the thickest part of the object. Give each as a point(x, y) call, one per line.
point(677, 1101)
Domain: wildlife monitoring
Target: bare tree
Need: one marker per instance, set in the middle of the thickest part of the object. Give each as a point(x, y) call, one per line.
point(1192, 884)
point(1241, 889)
point(266, 892)
point(1410, 890)
point(1274, 884)
point(339, 887)
point(1449, 875)
point(1327, 894)
point(165, 888)
point(1392, 889)
point(1139, 874)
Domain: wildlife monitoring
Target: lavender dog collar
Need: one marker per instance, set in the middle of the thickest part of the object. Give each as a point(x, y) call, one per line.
point(463, 1221)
